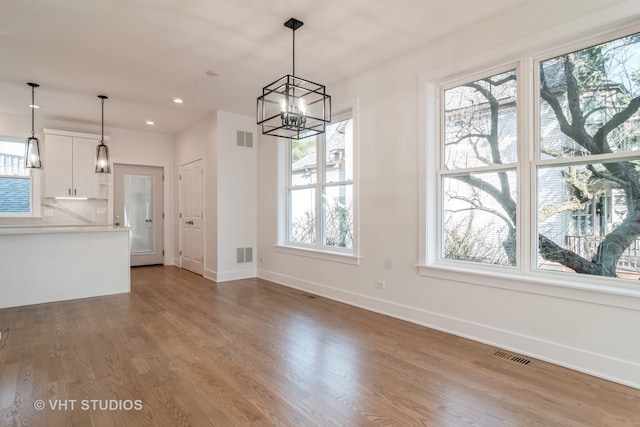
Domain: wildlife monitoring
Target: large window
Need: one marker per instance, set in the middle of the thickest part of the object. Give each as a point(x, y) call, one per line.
point(15, 180)
point(478, 177)
point(570, 154)
point(320, 189)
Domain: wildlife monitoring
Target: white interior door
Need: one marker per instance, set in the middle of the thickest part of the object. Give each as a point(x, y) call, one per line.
point(192, 217)
point(138, 205)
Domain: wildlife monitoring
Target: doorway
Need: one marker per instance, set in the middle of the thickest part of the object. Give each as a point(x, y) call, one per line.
point(138, 200)
point(192, 217)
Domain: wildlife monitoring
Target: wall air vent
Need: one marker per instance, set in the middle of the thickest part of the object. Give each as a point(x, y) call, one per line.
point(244, 139)
point(244, 255)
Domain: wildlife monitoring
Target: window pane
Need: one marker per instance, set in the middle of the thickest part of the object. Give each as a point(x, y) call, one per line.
point(480, 122)
point(338, 216)
point(588, 100)
point(15, 184)
point(12, 159)
point(339, 152)
point(584, 220)
point(302, 211)
point(479, 215)
point(304, 168)
point(138, 203)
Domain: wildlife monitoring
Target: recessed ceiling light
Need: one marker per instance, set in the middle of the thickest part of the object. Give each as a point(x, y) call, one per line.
point(150, 122)
point(178, 100)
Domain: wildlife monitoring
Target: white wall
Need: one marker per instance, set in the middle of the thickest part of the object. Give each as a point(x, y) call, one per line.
point(237, 196)
point(125, 146)
point(594, 337)
point(230, 190)
point(198, 141)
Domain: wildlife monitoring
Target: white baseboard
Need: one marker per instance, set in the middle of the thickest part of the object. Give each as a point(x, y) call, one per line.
point(225, 276)
point(210, 274)
point(602, 366)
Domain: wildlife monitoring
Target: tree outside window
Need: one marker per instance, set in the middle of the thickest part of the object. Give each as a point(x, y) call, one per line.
point(587, 169)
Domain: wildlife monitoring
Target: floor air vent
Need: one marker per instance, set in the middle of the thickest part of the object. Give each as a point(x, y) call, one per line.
point(512, 357)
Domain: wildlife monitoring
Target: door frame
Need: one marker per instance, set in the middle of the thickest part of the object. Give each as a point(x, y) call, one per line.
point(167, 195)
point(180, 210)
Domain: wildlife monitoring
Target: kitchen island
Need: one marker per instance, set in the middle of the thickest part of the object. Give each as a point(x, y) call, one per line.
point(56, 263)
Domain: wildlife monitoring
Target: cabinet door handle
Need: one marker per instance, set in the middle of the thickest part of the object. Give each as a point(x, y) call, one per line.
point(75, 192)
point(69, 191)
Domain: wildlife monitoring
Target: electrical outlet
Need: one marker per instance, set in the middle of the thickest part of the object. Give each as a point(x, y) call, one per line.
point(379, 284)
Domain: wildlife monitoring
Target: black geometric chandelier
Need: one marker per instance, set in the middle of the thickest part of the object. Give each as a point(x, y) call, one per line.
point(292, 107)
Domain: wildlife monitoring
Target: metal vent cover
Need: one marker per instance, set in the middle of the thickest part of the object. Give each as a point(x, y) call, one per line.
point(520, 360)
point(244, 139)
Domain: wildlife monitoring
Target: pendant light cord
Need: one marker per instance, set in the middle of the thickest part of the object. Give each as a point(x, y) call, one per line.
point(102, 139)
point(294, 51)
point(102, 98)
point(33, 109)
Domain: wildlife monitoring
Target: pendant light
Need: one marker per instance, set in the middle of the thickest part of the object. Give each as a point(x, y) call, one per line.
point(102, 151)
point(292, 107)
point(32, 147)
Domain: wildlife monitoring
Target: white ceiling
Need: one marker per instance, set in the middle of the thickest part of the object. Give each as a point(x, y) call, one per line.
point(143, 53)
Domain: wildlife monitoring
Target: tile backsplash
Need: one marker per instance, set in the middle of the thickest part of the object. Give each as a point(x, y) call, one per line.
point(74, 212)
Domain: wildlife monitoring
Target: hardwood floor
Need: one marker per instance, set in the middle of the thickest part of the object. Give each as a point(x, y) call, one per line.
point(181, 350)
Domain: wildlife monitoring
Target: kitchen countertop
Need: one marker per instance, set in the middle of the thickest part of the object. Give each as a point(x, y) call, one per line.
point(61, 229)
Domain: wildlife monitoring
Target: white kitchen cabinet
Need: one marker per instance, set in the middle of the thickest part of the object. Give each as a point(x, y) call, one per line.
point(70, 167)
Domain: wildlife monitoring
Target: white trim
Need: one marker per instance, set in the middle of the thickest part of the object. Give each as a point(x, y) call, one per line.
point(350, 256)
point(167, 170)
point(599, 365)
point(540, 284)
point(345, 258)
point(227, 276)
point(35, 186)
point(97, 137)
point(207, 274)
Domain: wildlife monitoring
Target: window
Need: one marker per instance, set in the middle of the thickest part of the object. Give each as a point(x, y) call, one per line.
point(15, 179)
point(588, 153)
point(569, 155)
point(320, 208)
point(478, 176)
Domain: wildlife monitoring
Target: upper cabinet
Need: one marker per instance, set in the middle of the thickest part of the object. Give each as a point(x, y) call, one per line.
point(70, 167)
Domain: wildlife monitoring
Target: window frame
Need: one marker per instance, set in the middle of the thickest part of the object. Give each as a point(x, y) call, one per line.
point(441, 172)
point(526, 277)
point(34, 178)
point(318, 250)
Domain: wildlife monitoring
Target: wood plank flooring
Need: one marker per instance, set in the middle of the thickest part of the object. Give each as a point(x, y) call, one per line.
point(191, 352)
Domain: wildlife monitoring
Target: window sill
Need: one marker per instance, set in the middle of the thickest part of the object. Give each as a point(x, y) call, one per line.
point(20, 220)
point(540, 283)
point(318, 254)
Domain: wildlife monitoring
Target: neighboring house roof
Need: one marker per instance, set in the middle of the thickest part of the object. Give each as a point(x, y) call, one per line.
point(335, 142)
point(14, 195)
